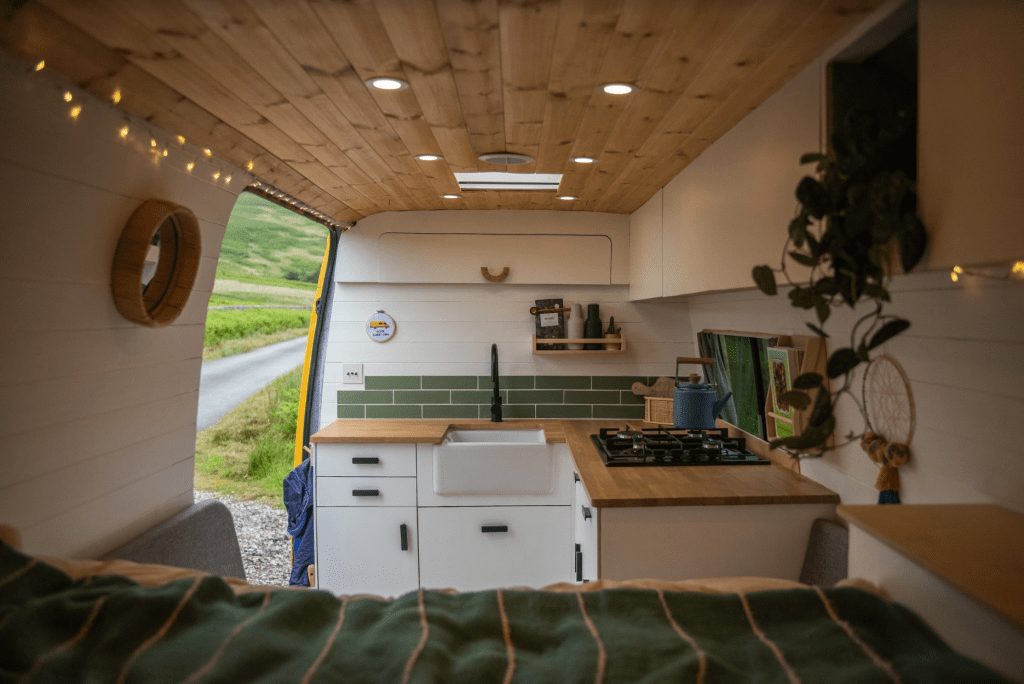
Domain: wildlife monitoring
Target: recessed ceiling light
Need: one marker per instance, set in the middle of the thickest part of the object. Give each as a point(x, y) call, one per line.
point(618, 88)
point(427, 157)
point(584, 160)
point(387, 84)
point(567, 197)
point(452, 196)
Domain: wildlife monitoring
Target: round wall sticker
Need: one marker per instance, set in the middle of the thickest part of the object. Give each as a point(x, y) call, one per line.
point(380, 327)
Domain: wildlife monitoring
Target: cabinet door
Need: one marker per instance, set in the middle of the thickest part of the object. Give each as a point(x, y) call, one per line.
point(470, 548)
point(584, 517)
point(360, 550)
point(458, 258)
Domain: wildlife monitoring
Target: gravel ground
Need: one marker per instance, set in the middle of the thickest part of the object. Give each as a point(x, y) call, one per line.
point(262, 532)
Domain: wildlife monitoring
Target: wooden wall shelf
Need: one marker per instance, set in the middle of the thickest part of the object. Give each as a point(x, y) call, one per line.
point(589, 340)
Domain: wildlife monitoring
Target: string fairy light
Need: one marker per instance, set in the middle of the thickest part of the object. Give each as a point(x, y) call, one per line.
point(68, 96)
point(75, 111)
point(216, 175)
point(116, 97)
point(40, 65)
point(124, 131)
point(1014, 272)
point(190, 166)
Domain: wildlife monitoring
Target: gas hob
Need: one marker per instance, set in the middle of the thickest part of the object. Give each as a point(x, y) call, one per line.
point(623, 447)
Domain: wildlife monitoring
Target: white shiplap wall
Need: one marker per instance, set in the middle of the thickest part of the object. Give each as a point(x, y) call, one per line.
point(97, 431)
point(448, 330)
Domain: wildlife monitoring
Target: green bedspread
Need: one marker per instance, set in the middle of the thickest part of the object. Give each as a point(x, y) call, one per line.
point(108, 628)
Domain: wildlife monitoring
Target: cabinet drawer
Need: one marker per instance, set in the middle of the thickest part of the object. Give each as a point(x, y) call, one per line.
point(366, 460)
point(470, 548)
point(365, 491)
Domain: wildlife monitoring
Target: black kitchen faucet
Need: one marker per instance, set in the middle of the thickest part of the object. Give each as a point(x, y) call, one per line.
point(496, 402)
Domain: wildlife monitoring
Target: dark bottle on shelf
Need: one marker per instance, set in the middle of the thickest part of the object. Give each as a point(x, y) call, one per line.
point(592, 326)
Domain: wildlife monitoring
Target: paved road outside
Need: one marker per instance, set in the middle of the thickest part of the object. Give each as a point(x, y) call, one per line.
point(226, 383)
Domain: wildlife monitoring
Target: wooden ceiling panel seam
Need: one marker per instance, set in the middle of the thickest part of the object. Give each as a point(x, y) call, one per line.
point(527, 37)
point(470, 29)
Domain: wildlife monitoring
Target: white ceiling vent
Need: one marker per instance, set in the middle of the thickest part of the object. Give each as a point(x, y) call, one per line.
point(506, 158)
point(499, 180)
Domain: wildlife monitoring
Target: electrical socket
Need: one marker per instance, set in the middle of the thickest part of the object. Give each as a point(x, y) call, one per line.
point(353, 373)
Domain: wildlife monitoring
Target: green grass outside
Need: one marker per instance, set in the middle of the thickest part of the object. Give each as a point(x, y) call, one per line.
point(249, 451)
point(238, 324)
point(247, 344)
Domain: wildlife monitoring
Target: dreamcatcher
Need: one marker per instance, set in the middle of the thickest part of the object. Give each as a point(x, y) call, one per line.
point(889, 410)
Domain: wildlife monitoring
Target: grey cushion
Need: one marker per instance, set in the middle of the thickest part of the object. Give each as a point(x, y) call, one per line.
point(825, 562)
point(201, 537)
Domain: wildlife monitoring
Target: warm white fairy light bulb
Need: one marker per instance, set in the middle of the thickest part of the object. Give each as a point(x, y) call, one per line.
point(181, 140)
point(248, 167)
point(75, 111)
point(68, 97)
point(40, 64)
point(152, 142)
point(124, 131)
point(190, 166)
point(208, 152)
point(116, 97)
point(216, 175)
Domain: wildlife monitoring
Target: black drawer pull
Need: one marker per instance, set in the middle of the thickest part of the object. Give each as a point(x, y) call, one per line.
point(493, 528)
point(575, 476)
point(586, 513)
point(404, 531)
point(579, 564)
point(365, 460)
point(365, 492)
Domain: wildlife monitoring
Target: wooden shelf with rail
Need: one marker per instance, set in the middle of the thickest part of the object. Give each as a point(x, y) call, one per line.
point(579, 340)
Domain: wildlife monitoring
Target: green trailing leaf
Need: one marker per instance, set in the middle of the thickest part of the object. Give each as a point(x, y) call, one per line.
point(817, 331)
point(803, 297)
point(798, 229)
point(888, 331)
point(813, 196)
point(823, 310)
point(803, 259)
point(807, 381)
point(822, 409)
point(811, 157)
point(876, 291)
point(913, 240)
point(811, 438)
point(842, 362)
point(764, 277)
point(796, 398)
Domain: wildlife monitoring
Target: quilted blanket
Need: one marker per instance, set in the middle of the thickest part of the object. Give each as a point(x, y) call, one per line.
point(110, 629)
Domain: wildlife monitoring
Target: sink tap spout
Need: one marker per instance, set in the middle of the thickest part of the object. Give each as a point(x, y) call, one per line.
point(496, 402)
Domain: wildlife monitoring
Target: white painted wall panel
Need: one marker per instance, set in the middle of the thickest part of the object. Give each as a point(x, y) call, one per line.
point(645, 249)
point(97, 433)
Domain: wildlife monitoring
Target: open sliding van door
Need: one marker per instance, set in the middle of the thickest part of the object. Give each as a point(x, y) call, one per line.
point(310, 399)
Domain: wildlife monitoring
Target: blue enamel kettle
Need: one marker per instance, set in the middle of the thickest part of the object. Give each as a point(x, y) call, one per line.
point(696, 404)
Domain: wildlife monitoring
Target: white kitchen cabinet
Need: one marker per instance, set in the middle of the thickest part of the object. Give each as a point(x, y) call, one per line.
point(472, 548)
point(645, 251)
point(360, 550)
point(458, 258)
point(543, 247)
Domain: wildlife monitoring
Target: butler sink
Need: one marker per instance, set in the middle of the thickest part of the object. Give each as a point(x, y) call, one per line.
point(494, 462)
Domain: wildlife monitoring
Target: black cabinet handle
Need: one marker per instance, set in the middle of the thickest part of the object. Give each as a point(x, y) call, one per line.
point(586, 513)
point(365, 492)
point(575, 476)
point(365, 460)
point(579, 564)
point(404, 531)
point(493, 528)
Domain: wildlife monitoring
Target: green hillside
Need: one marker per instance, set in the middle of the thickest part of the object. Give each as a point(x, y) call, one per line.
point(269, 255)
point(270, 243)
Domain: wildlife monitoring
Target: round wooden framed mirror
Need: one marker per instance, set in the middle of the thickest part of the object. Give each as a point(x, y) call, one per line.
point(156, 262)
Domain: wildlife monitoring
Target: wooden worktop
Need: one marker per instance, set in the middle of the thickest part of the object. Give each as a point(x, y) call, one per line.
point(975, 547)
point(611, 487)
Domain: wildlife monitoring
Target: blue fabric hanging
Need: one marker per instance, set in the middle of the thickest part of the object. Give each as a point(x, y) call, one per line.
point(888, 496)
point(298, 500)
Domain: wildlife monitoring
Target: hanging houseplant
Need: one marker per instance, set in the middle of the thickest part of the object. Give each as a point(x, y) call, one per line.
point(859, 209)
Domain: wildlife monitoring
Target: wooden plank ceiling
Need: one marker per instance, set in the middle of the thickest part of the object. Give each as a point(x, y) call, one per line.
point(281, 84)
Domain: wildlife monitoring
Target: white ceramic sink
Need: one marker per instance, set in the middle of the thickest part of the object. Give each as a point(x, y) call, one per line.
point(493, 462)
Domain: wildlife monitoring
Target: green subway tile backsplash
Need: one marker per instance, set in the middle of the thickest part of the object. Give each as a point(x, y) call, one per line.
point(476, 396)
point(563, 382)
point(452, 382)
point(449, 411)
point(392, 382)
point(351, 411)
point(368, 397)
point(506, 382)
point(393, 412)
point(469, 396)
point(423, 397)
point(612, 411)
point(591, 397)
point(563, 411)
point(616, 382)
point(536, 397)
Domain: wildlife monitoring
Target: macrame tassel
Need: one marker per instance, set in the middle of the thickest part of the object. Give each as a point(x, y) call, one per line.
point(889, 457)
